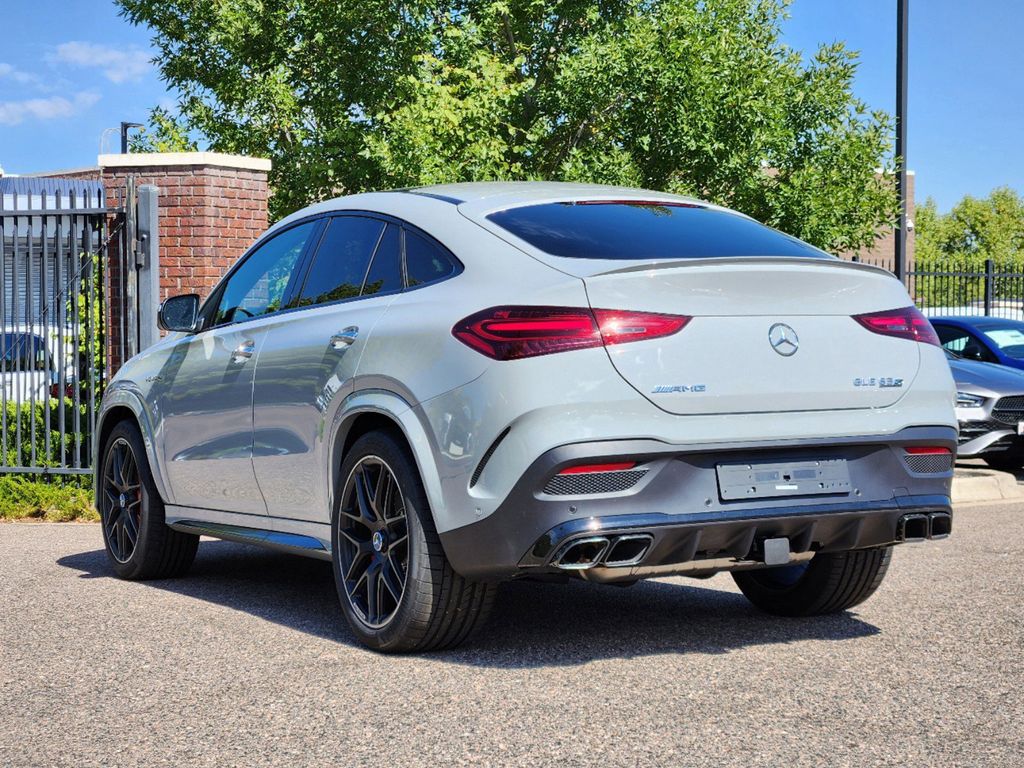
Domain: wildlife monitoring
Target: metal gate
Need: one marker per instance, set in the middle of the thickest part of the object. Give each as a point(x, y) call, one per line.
point(58, 328)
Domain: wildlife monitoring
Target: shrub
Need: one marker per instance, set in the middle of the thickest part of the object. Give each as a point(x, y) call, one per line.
point(26, 427)
point(52, 498)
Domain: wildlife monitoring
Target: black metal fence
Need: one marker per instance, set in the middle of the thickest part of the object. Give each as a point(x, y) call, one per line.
point(971, 288)
point(53, 322)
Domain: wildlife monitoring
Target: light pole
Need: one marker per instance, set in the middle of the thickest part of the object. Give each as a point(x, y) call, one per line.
point(902, 10)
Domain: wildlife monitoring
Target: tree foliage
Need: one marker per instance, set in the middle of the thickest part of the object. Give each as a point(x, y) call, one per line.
point(693, 96)
point(975, 229)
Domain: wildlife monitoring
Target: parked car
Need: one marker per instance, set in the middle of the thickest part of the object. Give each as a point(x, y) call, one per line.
point(984, 339)
point(30, 364)
point(990, 409)
point(441, 388)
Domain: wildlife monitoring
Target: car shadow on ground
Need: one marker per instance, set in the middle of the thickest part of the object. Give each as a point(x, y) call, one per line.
point(533, 624)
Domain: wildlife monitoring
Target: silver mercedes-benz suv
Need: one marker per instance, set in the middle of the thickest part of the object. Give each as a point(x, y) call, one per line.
point(441, 388)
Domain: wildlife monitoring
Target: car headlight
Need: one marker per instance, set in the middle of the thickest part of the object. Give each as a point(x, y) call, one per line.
point(966, 400)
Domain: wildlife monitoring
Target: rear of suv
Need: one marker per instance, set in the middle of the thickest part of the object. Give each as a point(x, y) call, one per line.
point(586, 382)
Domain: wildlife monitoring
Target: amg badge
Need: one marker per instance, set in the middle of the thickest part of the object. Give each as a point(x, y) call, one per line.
point(665, 389)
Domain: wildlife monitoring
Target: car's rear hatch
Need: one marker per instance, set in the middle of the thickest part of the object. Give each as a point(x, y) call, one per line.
point(728, 360)
point(737, 280)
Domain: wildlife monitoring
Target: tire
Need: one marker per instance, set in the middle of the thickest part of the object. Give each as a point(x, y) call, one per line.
point(138, 542)
point(434, 608)
point(829, 583)
point(1005, 462)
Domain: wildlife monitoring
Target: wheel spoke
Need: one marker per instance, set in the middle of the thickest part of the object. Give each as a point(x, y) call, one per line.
point(363, 500)
point(115, 470)
point(391, 580)
point(373, 594)
point(127, 470)
point(357, 560)
point(381, 492)
point(130, 528)
point(122, 539)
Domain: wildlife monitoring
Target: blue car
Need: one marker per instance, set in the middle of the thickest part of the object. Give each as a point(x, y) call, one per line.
point(987, 339)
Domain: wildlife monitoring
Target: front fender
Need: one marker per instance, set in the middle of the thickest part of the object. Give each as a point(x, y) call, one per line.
point(124, 394)
point(398, 410)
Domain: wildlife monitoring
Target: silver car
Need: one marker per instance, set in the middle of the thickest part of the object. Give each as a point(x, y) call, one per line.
point(441, 388)
point(990, 407)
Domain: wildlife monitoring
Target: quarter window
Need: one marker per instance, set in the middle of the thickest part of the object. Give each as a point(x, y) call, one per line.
point(341, 260)
point(425, 260)
point(259, 284)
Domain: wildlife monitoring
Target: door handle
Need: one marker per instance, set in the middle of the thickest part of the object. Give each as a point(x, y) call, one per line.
point(243, 352)
point(344, 339)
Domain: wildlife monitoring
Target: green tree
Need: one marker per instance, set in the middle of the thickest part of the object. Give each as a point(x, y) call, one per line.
point(975, 229)
point(961, 241)
point(694, 96)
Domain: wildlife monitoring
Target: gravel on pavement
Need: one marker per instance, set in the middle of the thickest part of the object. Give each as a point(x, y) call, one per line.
point(248, 661)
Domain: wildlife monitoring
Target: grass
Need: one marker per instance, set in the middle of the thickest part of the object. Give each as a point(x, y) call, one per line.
point(56, 500)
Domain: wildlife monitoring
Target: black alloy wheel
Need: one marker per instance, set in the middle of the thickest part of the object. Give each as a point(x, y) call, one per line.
point(374, 541)
point(122, 500)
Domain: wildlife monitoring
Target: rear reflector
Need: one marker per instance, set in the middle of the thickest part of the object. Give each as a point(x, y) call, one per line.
point(904, 323)
point(581, 469)
point(926, 450)
point(512, 333)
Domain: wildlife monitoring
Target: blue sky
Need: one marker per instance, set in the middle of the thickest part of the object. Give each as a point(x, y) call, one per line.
point(69, 69)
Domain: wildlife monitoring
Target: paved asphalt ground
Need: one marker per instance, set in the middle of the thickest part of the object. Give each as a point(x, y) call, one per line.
point(248, 662)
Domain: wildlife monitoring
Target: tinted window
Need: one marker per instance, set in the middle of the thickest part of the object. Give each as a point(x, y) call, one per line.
point(963, 343)
point(626, 231)
point(23, 352)
point(258, 286)
point(341, 260)
point(425, 260)
point(385, 273)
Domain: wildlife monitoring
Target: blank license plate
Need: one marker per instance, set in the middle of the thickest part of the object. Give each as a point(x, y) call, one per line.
point(749, 480)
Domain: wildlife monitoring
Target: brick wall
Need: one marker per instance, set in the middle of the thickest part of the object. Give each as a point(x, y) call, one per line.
point(211, 209)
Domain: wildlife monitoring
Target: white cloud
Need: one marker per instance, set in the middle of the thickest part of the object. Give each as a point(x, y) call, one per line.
point(9, 72)
point(14, 112)
point(118, 65)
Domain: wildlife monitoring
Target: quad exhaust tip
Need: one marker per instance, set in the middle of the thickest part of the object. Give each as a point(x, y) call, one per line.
point(615, 552)
point(920, 527)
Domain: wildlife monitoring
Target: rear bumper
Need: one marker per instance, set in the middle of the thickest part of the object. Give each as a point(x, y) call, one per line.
point(677, 505)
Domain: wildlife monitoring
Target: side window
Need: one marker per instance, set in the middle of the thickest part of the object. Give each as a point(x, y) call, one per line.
point(952, 339)
point(425, 260)
point(385, 273)
point(258, 286)
point(341, 260)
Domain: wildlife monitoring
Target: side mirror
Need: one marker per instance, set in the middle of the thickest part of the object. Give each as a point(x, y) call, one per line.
point(179, 313)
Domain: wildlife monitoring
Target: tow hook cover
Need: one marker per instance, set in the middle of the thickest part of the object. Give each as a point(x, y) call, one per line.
point(776, 551)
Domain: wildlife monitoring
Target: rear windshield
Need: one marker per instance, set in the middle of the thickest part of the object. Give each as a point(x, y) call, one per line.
point(628, 230)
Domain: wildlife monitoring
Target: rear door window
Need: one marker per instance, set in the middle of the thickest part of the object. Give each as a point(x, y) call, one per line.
point(642, 230)
point(385, 275)
point(341, 260)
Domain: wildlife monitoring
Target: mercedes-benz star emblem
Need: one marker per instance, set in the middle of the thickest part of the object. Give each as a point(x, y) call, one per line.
point(783, 339)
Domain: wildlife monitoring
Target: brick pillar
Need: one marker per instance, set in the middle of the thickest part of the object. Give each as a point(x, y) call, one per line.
point(212, 207)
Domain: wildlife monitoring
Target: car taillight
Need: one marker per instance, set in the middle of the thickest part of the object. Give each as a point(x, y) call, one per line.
point(904, 323)
point(512, 333)
point(69, 391)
